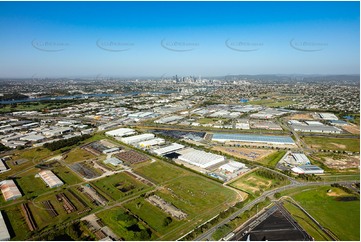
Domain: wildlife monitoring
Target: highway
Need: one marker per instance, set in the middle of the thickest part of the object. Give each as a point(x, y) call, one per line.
point(207, 235)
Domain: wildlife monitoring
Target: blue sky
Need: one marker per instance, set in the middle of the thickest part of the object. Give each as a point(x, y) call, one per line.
point(126, 39)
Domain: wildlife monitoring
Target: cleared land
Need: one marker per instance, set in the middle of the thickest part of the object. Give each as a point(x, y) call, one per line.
point(341, 217)
point(338, 161)
point(326, 143)
point(245, 153)
point(352, 128)
point(255, 184)
point(272, 159)
point(302, 116)
point(78, 154)
point(119, 185)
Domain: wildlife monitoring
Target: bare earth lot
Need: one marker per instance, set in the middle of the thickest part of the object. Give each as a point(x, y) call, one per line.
point(352, 128)
point(245, 153)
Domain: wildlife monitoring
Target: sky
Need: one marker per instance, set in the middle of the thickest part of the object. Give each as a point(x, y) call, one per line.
point(131, 39)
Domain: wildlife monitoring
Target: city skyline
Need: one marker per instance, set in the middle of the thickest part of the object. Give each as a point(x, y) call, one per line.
point(122, 39)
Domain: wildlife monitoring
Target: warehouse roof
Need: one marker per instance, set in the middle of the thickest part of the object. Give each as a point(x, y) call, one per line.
point(253, 138)
point(50, 178)
point(120, 132)
point(200, 158)
point(9, 190)
point(168, 149)
point(4, 233)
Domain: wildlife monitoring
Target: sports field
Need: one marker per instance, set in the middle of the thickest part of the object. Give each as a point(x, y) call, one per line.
point(341, 217)
point(328, 143)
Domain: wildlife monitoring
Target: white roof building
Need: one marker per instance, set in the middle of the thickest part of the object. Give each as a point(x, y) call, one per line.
point(200, 158)
point(328, 116)
point(33, 138)
point(307, 169)
point(50, 178)
point(9, 190)
point(120, 132)
point(113, 161)
point(232, 166)
point(4, 232)
point(3, 167)
point(168, 149)
point(148, 143)
point(137, 138)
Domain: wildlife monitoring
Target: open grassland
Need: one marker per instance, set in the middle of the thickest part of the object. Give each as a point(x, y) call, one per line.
point(305, 222)
point(119, 185)
point(199, 197)
point(77, 154)
point(342, 218)
point(338, 162)
point(153, 216)
point(160, 171)
point(255, 184)
point(272, 159)
point(30, 185)
point(126, 226)
point(18, 229)
point(245, 153)
point(43, 218)
point(328, 143)
point(66, 175)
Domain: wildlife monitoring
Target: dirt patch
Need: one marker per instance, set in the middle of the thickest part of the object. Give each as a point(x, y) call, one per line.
point(304, 116)
point(353, 129)
point(333, 194)
point(341, 146)
point(245, 153)
point(341, 162)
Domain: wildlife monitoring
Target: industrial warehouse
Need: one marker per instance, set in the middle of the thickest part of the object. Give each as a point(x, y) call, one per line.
point(9, 190)
point(200, 158)
point(50, 178)
point(283, 140)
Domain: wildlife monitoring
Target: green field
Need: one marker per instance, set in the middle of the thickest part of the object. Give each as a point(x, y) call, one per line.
point(342, 218)
point(160, 171)
point(326, 143)
point(113, 185)
point(210, 120)
point(255, 184)
point(30, 185)
point(78, 154)
point(18, 228)
point(66, 175)
point(305, 222)
point(272, 159)
point(271, 102)
point(152, 215)
point(126, 226)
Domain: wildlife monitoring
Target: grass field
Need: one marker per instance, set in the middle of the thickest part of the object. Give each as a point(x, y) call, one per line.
point(160, 171)
point(18, 228)
point(119, 185)
point(30, 185)
point(272, 159)
point(254, 184)
point(305, 222)
point(342, 218)
point(126, 226)
point(66, 175)
point(78, 154)
point(185, 193)
point(152, 215)
point(326, 143)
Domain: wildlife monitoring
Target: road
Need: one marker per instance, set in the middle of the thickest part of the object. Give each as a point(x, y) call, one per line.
point(208, 234)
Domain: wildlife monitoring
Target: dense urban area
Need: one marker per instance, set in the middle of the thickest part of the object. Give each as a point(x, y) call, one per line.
point(180, 158)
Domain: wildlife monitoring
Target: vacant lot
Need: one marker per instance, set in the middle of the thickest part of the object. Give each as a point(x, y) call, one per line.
point(272, 159)
point(152, 215)
point(255, 184)
point(126, 226)
point(119, 185)
point(160, 171)
point(342, 218)
point(245, 153)
point(301, 116)
point(326, 143)
point(78, 154)
point(338, 161)
point(352, 128)
point(19, 229)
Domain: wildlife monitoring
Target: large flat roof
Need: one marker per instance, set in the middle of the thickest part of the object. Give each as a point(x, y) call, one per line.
point(4, 233)
point(253, 138)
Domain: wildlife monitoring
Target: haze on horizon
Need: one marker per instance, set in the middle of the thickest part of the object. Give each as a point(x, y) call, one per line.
point(123, 39)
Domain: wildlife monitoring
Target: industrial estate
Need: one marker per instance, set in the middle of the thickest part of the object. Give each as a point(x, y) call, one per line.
point(186, 163)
